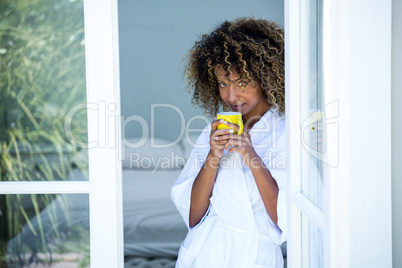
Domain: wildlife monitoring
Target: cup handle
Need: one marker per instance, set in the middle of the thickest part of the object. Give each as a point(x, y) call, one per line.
point(240, 124)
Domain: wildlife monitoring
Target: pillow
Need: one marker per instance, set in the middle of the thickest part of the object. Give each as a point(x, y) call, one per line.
point(147, 153)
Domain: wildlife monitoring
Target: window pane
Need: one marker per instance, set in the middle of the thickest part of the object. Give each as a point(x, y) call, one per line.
point(47, 229)
point(312, 239)
point(312, 106)
point(42, 78)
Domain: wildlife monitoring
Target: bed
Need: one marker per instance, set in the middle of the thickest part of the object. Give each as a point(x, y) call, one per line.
point(153, 228)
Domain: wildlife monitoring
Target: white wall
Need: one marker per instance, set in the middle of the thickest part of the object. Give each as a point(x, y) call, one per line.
point(153, 37)
point(360, 78)
point(396, 133)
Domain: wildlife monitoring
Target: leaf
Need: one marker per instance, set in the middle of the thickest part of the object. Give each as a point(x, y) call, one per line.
point(28, 220)
point(39, 218)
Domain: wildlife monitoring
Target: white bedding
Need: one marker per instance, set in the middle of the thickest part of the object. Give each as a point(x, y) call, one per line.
point(152, 225)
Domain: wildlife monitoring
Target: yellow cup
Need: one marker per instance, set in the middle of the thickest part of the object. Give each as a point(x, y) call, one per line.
point(232, 117)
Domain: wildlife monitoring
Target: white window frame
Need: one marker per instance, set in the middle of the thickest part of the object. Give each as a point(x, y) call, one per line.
point(105, 172)
point(297, 201)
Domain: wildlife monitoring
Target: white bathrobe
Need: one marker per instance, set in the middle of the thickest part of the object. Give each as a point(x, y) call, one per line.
point(236, 231)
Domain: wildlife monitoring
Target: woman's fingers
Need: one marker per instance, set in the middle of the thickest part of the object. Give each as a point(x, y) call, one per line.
point(226, 137)
point(231, 125)
point(217, 146)
point(223, 138)
point(215, 124)
point(236, 140)
point(216, 140)
point(220, 132)
point(233, 142)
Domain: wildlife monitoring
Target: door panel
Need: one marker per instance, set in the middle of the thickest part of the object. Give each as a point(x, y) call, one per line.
point(312, 101)
point(60, 169)
point(307, 141)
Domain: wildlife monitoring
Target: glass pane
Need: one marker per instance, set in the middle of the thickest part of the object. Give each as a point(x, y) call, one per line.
point(44, 230)
point(42, 79)
point(312, 244)
point(312, 106)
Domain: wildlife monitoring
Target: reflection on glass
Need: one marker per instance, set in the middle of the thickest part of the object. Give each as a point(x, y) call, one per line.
point(42, 77)
point(44, 230)
point(312, 240)
point(312, 107)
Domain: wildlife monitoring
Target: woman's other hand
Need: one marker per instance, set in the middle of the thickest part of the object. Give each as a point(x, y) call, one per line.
point(217, 143)
point(239, 143)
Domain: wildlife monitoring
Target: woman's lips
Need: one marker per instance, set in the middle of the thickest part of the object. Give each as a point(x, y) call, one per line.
point(236, 107)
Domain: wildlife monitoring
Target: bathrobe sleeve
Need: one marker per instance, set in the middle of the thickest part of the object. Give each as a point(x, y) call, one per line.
point(279, 234)
point(277, 167)
point(181, 190)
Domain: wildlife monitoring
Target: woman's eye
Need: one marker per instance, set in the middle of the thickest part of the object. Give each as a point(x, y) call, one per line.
point(242, 84)
point(222, 85)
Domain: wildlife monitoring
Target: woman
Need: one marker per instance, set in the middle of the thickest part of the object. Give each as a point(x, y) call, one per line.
point(231, 194)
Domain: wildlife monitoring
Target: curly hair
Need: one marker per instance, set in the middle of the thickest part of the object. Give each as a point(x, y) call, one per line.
point(252, 47)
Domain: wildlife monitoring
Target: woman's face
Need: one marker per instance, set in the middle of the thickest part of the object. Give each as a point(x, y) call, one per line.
point(239, 94)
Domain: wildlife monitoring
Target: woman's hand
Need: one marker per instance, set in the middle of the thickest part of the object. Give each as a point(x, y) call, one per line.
point(216, 143)
point(239, 143)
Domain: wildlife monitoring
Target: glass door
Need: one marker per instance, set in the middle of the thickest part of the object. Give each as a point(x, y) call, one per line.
point(60, 175)
point(308, 122)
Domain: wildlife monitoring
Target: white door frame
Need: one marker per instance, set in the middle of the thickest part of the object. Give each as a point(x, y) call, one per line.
point(105, 173)
point(105, 170)
point(357, 226)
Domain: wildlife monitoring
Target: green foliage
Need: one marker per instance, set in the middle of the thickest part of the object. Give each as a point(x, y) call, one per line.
point(42, 77)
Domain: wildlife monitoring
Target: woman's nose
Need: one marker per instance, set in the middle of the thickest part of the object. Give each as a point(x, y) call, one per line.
point(233, 93)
